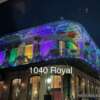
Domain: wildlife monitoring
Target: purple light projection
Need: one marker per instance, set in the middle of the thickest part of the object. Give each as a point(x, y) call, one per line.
point(44, 31)
point(47, 31)
point(46, 46)
point(2, 57)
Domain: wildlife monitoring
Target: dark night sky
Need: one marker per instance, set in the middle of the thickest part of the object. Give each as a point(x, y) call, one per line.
point(35, 12)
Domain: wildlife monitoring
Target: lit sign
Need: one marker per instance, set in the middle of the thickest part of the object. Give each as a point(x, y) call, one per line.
point(52, 70)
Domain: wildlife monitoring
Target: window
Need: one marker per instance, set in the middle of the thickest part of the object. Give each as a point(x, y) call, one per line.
point(3, 91)
point(56, 87)
point(18, 90)
point(73, 84)
point(34, 86)
point(56, 81)
point(29, 51)
point(61, 47)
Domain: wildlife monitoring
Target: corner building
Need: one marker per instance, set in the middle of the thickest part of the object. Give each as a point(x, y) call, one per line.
point(61, 44)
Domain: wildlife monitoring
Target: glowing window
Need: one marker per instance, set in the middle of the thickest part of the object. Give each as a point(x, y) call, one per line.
point(3, 91)
point(34, 87)
point(13, 55)
point(56, 81)
point(16, 82)
point(29, 51)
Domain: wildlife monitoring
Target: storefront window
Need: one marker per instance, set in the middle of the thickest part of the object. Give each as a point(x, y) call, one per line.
point(79, 80)
point(56, 87)
point(83, 86)
point(3, 91)
point(49, 85)
point(73, 82)
point(18, 90)
point(88, 87)
point(34, 87)
point(56, 82)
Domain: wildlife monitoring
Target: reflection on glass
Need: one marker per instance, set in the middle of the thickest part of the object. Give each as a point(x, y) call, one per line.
point(34, 88)
point(18, 90)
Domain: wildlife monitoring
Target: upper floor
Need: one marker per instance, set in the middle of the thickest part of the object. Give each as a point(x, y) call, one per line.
point(49, 41)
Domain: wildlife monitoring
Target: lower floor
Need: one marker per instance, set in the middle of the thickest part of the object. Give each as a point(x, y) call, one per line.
point(28, 85)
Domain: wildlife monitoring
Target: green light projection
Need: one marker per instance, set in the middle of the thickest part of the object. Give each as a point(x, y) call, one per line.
point(13, 55)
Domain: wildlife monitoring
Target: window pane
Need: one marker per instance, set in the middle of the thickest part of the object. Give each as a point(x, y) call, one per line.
point(19, 90)
point(34, 88)
point(56, 81)
point(56, 87)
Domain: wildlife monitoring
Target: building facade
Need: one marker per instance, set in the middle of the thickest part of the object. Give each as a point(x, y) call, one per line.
point(27, 56)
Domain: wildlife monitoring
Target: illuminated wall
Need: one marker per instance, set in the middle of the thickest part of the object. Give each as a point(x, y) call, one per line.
point(29, 51)
point(62, 38)
point(2, 57)
point(13, 56)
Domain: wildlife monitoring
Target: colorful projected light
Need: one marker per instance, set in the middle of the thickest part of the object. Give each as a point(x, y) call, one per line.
point(71, 45)
point(13, 55)
point(2, 57)
point(29, 51)
point(46, 46)
point(71, 33)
